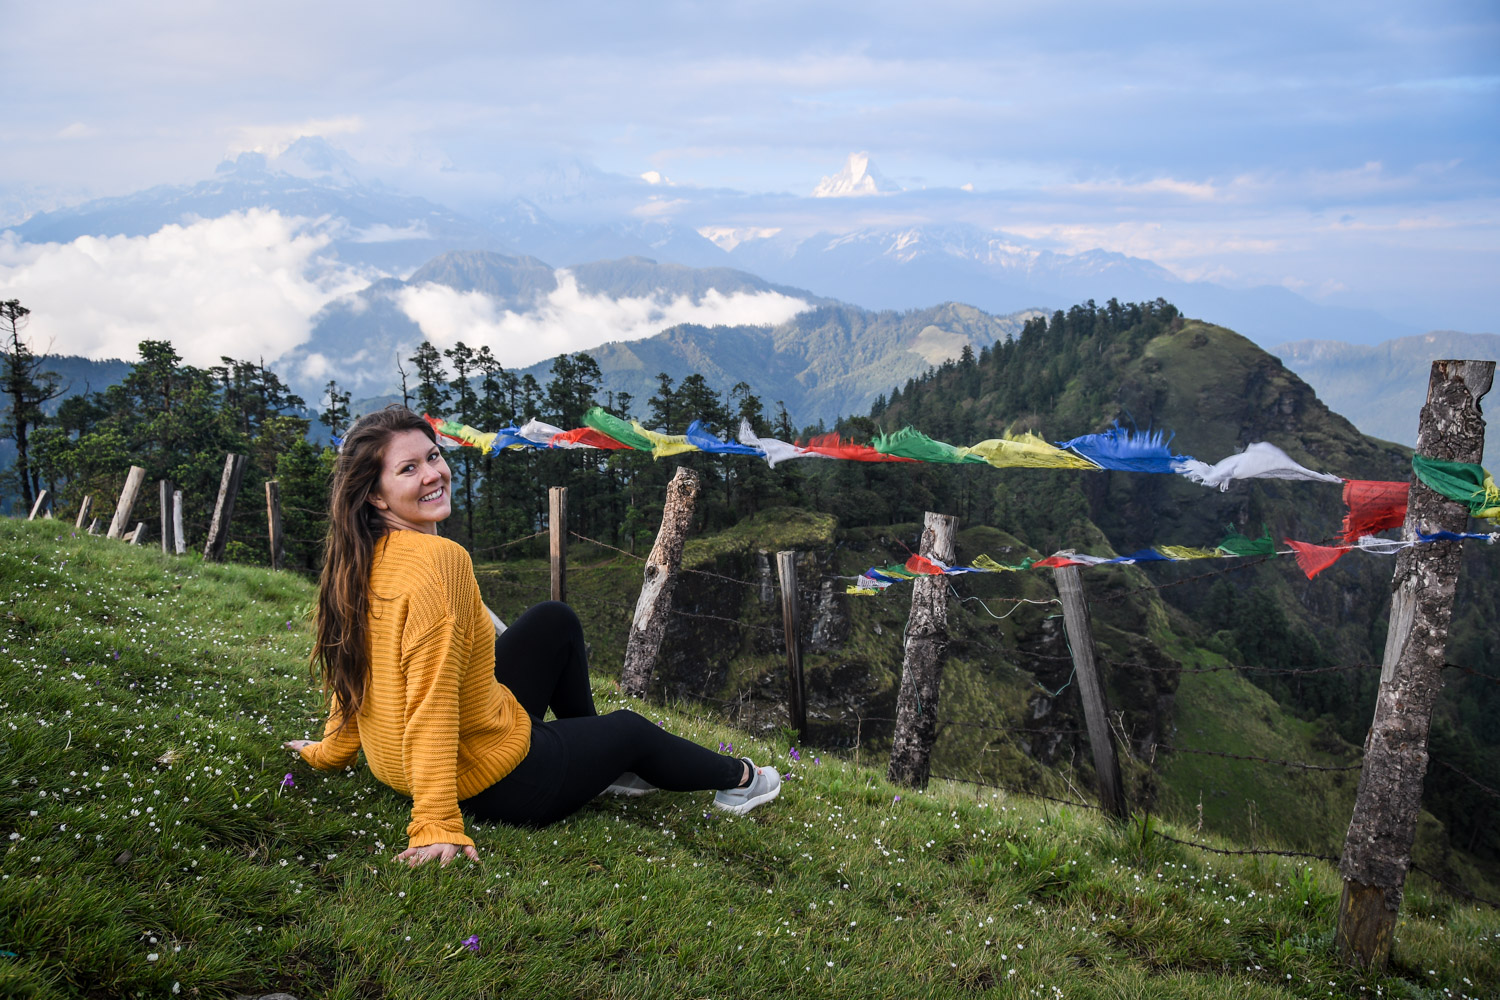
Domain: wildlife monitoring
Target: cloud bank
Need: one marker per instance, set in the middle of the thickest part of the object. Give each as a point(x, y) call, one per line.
point(568, 319)
point(245, 285)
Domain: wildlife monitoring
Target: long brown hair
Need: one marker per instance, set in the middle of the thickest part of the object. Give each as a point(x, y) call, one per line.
point(341, 630)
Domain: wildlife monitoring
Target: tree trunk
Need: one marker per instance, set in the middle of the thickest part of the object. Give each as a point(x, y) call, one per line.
point(273, 523)
point(1377, 848)
point(1091, 690)
point(557, 532)
point(229, 488)
point(126, 505)
point(796, 702)
point(922, 668)
point(655, 602)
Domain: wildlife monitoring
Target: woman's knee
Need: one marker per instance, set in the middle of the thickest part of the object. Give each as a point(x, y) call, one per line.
point(555, 616)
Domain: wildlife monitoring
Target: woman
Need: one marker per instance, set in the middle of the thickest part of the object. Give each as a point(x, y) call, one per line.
point(446, 712)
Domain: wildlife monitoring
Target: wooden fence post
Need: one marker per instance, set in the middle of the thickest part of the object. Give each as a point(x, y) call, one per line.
point(36, 508)
point(273, 523)
point(557, 530)
point(229, 488)
point(179, 540)
point(139, 533)
point(94, 526)
point(1080, 632)
point(922, 667)
point(164, 501)
point(796, 702)
point(126, 505)
point(655, 602)
point(83, 511)
point(1377, 848)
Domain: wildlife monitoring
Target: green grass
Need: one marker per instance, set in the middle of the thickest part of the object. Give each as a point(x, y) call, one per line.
point(151, 850)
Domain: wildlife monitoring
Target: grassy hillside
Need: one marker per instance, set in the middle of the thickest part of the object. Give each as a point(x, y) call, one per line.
point(155, 847)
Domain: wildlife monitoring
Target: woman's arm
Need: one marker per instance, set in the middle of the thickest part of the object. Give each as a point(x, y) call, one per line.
point(338, 747)
point(434, 667)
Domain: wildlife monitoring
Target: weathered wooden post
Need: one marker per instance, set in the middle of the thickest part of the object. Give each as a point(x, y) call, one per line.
point(83, 510)
point(1377, 848)
point(164, 501)
point(36, 508)
point(922, 667)
point(139, 533)
point(273, 523)
point(94, 526)
point(229, 488)
point(1080, 633)
point(179, 540)
point(557, 532)
point(655, 602)
point(796, 701)
point(126, 505)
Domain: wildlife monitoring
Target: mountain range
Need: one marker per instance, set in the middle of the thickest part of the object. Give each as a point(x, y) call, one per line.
point(824, 320)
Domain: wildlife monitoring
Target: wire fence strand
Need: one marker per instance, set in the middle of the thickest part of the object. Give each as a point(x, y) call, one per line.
point(1265, 760)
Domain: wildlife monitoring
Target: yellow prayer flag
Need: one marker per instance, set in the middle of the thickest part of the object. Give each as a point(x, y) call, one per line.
point(1027, 451)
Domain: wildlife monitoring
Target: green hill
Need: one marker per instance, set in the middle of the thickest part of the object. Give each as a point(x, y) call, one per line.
point(155, 848)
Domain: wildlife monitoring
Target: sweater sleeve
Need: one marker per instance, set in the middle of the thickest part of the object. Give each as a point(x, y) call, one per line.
point(434, 666)
point(338, 747)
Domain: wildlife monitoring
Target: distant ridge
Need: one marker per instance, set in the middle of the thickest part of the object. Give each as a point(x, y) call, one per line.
point(1380, 387)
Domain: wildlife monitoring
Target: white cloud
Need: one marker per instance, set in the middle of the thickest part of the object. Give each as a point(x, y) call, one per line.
point(273, 139)
point(383, 232)
point(568, 319)
point(237, 285)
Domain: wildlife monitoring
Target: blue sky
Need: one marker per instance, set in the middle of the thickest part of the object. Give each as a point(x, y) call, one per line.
point(1345, 150)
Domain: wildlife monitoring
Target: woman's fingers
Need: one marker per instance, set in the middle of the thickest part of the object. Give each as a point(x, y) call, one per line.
point(443, 853)
point(298, 744)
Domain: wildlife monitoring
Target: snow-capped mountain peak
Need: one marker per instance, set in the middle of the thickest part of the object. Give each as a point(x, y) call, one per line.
point(858, 178)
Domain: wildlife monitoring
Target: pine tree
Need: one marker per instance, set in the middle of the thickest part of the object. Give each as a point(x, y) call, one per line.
point(28, 386)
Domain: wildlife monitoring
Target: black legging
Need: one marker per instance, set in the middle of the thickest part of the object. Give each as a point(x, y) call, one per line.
point(542, 659)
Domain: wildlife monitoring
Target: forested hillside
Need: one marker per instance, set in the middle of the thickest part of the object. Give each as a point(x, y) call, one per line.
point(1064, 375)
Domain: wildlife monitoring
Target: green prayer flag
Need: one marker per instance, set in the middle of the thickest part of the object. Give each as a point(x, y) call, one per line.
point(1236, 544)
point(909, 442)
point(1463, 482)
point(605, 422)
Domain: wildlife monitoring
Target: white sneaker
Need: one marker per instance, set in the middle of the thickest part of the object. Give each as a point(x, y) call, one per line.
point(765, 785)
point(630, 785)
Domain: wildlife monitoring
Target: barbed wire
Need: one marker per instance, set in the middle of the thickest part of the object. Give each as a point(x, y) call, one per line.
point(1459, 890)
point(1473, 781)
point(1029, 794)
point(1248, 668)
point(1253, 850)
point(1177, 583)
point(1265, 760)
point(1474, 673)
point(676, 611)
point(506, 545)
point(606, 545)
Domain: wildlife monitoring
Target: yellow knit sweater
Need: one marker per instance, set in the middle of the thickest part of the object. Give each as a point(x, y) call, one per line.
point(435, 724)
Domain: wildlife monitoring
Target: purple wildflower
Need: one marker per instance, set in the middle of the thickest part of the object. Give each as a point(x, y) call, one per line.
point(288, 782)
point(726, 747)
point(288, 626)
point(817, 760)
point(794, 754)
point(472, 943)
point(895, 800)
point(117, 654)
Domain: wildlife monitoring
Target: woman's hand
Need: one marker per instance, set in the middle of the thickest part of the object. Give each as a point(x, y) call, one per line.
point(445, 853)
point(299, 744)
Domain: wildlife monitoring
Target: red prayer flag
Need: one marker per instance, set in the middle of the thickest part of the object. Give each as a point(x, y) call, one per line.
point(437, 428)
point(1374, 506)
point(1314, 559)
point(1053, 562)
point(916, 564)
point(833, 447)
point(590, 437)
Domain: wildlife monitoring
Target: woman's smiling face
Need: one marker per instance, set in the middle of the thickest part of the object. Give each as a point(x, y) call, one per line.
point(413, 492)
